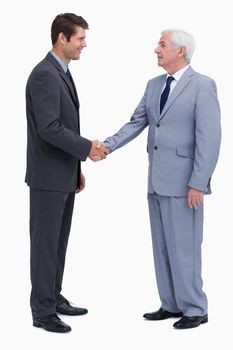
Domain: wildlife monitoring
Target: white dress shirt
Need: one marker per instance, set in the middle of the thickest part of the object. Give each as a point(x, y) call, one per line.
point(176, 77)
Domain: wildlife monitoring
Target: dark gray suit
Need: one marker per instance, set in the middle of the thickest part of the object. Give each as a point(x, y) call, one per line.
point(54, 151)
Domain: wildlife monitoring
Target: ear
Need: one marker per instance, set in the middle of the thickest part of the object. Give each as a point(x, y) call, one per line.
point(62, 38)
point(181, 51)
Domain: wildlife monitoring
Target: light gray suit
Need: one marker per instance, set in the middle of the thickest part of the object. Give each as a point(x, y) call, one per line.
point(183, 147)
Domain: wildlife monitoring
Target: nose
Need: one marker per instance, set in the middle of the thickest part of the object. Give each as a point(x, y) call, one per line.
point(156, 50)
point(84, 44)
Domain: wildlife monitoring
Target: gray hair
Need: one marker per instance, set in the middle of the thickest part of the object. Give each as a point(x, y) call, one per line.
point(181, 38)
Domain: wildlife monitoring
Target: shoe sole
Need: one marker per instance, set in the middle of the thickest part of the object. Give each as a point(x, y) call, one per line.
point(164, 318)
point(205, 320)
point(67, 314)
point(38, 325)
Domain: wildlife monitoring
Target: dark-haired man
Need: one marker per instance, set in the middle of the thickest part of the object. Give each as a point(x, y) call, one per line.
point(55, 150)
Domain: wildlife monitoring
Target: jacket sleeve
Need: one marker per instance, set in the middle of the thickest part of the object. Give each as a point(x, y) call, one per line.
point(130, 130)
point(207, 136)
point(44, 92)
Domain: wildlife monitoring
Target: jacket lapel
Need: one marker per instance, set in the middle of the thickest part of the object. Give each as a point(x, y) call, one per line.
point(180, 86)
point(71, 87)
point(159, 93)
point(154, 96)
point(65, 78)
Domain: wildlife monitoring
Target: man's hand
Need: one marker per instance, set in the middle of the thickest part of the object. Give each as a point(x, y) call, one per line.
point(195, 198)
point(82, 183)
point(98, 151)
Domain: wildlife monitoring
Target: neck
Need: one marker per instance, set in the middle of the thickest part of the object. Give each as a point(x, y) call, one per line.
point(61, 55)
point(176, 68)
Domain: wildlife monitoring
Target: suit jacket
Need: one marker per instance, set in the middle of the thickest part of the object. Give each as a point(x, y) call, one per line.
point(184, 140)
point(55, 147)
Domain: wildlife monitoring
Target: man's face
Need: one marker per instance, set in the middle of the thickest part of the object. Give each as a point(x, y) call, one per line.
point(72, 49)
point(168, 55)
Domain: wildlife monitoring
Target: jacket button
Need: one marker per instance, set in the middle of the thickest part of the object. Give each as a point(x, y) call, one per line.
point(156, 147)
point(158, 125)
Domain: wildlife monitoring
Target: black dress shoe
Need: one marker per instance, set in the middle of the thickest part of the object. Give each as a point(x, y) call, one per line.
point(66, 309)
point(51, 323)
point(190, 322)
point(161, 314)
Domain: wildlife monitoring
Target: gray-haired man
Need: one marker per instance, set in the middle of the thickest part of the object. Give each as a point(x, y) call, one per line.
point(182, 111)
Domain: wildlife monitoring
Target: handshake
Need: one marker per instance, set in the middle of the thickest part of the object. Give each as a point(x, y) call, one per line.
point(98, 151)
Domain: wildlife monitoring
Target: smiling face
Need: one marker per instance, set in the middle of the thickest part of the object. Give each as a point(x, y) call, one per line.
point(170, 57)
point(71, 49)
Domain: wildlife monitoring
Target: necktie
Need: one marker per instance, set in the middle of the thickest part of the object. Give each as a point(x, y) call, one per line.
point(68, 74)
point(165, 93)
point(70, 78)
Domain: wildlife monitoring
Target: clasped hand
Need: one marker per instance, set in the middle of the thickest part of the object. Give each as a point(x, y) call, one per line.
point(98, 151)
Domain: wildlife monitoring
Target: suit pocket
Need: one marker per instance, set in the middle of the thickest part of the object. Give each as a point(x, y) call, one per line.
point(185, 152)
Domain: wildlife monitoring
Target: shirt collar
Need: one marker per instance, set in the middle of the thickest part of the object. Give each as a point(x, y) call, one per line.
point(60, 61)
point(179, 73)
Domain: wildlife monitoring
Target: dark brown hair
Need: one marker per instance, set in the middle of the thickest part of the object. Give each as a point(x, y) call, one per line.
point(66, 23)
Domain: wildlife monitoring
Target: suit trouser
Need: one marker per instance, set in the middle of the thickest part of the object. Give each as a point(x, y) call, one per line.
point(177, 233)
point(50, 221)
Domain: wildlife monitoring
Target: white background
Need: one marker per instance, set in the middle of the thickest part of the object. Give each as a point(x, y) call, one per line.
point(109, 266)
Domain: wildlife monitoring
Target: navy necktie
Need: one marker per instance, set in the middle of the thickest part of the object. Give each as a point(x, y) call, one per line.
point(70, 78)
point(165, 93)
point(68, 74)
